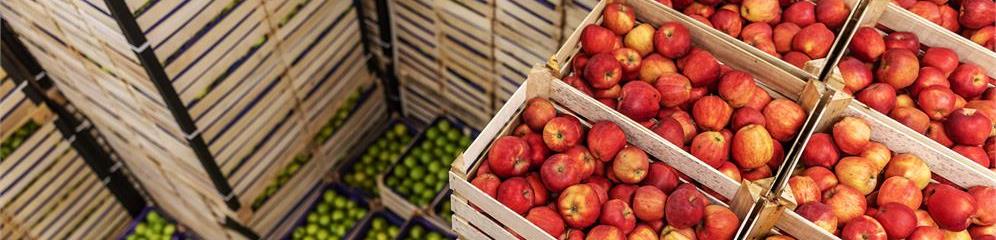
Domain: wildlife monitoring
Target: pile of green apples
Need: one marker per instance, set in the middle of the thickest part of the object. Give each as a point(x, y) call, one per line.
point(15, 140)
point(378, 157)
point(282, 178)
point(332, 218)
point(423, 171)
point(340, 117)
point(381, 229)
point(153, 227)
point(417, 232)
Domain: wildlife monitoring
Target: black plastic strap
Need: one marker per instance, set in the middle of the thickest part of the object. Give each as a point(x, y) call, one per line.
point(24, 69)
point(126, 21)
point(241, 229)
point(388, 76)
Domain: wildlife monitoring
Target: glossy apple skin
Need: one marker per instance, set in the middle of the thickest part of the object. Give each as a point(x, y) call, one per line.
point(509, 157)
point(685, 206)
point(867, 44)
point(863, 228)
point(672, 40)
point(547, 219)
point(516, 194)
point(596, 39)
point(951, 208)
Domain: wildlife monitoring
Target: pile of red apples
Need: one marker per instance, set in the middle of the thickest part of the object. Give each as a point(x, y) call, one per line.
point(795, 31)
point(682, 93)
point(859, 189)
point(579, 183)
point(929, 92)
point(973, 18)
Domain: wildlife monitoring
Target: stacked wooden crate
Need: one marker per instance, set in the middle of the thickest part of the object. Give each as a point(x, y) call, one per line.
point(49, 192)
point(574, 13)
point(526, 33)
point(467, 52)
point(417, 58)
point(371, 25)
point(224, 67)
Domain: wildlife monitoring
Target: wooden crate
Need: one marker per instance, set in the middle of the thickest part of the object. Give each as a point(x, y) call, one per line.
point(49, 190)
point(499, 222)
point(418, 101)
point(415, 42)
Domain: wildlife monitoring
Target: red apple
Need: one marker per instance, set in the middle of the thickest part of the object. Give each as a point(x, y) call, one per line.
point(639, 101)
point(752, 147)
point(783, 118)
point(929, 76)
point(538, 111)
point(673, 233)
point(719, 223)
point(765, 11)
point(488, 183)
point(596, 39)
point(631, 165)
point(711, 113)
point(537, 149)
point(833, 13)
point(746, 116)
point(561, 171)
point(641, 39)
point(579, 84)
point(589, 164)
point(619, 18)
point(985, 198)
point(949, 18)
point(969, 80)
point(705, 70)
point(540, 195)
point(622, 192)
point(516, 194)
point(805, 189)
point(937, 101)
point(899, 190)
point(699, 9)
point(943, 59)
point(737, 87)
point(687, 125)
point(730, 171)
point(867, 44)
point(898, 220)
point(820, 214)
point(605, 232)
point(878, 154)
point(653, 66)
point(851, 135)
point(905, 40)
point(661, 176)
point(642, 232)
point(982, 232)
point(783, 33)
point(579, 206)
point(605, 139)
point(796, 58)
point(856, 74)
point(967, 126)
point(904, 100)
point(899, 67)
point(846, 202)
point(936, 132)
point(878, 96)
point(561, 133)
point(711, 148)
point(547, 219)
point(977, 13)
point(674, 88)
point(824, 178)
point(685, 206)
point(670, 130)
point(927, 10)
point(603, 71)
point(858, 173)
point(757, 173)
point(863, 228)
point(509, 156)
point(672, 40)
point(648, 203)
point(601, 186)
point(801, 13)
point(926, 233)
point(727, 21)
point(951, 208)
point(759, 100)
point(820, 151)
point(909, 166)
point(617, 213)
point(975, 153)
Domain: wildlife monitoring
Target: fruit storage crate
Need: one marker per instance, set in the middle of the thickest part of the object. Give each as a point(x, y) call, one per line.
point(48, 190)
point(898, 137)
point(428, 227)
point(525, 32)
point(312, 204)
point(363, 231)
point(441, 211)
point(420, 102)
point(177, 235)
point(394, 200)
point(477, 214)
point(347, 167)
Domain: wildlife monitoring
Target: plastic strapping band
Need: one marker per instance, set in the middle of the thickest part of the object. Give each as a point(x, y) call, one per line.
point(71, 139)
point(230, 196)
point(106, 180)
point(116, 167)
point(84, 125)
point(140, 48)
point(193, 134)
point(21, 86)
point(40, 75)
